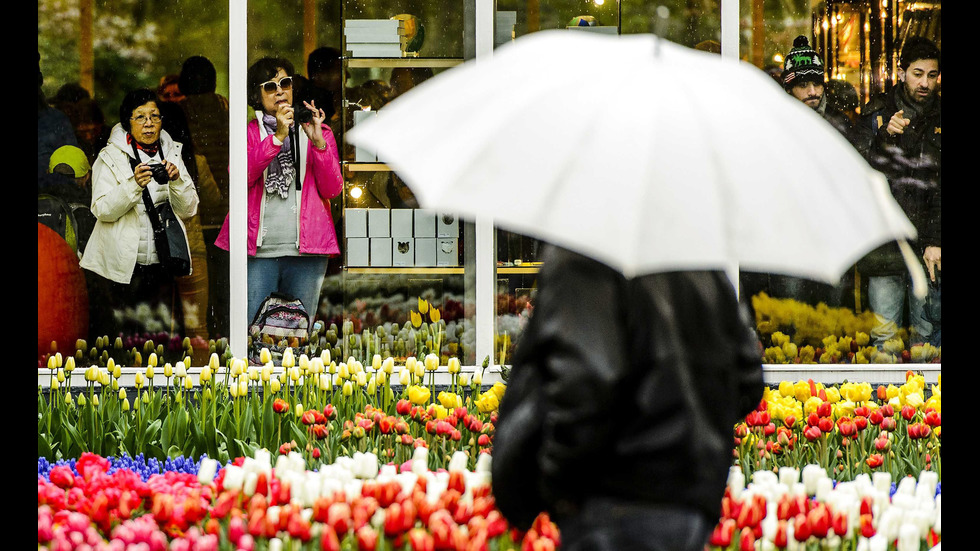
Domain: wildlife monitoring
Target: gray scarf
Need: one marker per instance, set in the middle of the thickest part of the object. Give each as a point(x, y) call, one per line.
point(281, 171)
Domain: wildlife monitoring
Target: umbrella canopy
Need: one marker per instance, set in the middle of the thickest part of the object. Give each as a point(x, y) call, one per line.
point(643, 154)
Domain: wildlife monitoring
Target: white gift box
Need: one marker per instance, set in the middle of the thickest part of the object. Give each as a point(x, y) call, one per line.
point(402, 251)
point(357, 251)
point(355, 223)
point(425, 251)
point(447, 252)
point(379, 222)
point(362, 155)
point(380, 252)
point(447, 225)
point(425, 223)
point(402, 222)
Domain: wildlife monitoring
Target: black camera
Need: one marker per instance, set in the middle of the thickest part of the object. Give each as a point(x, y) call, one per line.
point(159, 173)
point(302, 114)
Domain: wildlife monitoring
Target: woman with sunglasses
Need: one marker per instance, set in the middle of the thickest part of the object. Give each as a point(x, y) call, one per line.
point(293, 172)
point(140, 165)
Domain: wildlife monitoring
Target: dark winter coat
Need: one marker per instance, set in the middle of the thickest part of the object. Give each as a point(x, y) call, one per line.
point(912, 161)
point(624, 389)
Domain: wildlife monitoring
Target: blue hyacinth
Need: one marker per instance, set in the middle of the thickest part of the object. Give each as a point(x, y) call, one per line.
point(145, 468)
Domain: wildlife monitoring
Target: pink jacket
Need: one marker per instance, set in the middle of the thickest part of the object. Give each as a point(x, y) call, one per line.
point(320, 174)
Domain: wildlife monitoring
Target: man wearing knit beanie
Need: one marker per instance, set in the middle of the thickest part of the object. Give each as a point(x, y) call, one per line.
point(803, 78)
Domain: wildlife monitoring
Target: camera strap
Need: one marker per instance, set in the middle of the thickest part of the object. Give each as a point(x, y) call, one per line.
point(294, 134)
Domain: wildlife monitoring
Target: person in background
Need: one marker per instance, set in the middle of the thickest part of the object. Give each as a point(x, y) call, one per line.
point(141, 163)
point(900, 133)
point(169, 89)
point(803, 77)
point(207, 118)
point(293, 172)
point(193, 288)
point(625, 437)
point(53, 127)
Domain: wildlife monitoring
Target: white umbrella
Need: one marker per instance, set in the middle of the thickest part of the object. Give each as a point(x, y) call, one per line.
point(643, 154)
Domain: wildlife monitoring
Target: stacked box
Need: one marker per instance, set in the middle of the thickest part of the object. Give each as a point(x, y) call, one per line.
point(402, 251)
point(447, 253)
point(504, 28)
point(357, 251)
point(379, 222)
point(402, 223)
point(425, 251)
point(425, 223)
point(447, 225)
point(380, 252)
point(375, 37)
point(362, 155)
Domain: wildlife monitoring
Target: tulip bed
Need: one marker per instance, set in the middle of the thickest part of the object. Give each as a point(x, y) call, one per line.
point(796, 332)
point(117, 467)
point(349, 504)
point(847, 430)
point(868, 513)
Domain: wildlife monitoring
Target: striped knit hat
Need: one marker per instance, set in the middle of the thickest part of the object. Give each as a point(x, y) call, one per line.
point(802, 64)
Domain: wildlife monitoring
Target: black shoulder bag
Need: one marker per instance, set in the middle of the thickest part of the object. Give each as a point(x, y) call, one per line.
point(168, 234)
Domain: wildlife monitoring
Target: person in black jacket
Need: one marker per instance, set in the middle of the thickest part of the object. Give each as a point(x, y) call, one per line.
point(900, 135)
point(803, 78)
point(620, 407)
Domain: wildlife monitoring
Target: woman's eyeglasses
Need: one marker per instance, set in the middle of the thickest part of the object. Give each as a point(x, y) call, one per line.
point(270, 86)
point(143, 119)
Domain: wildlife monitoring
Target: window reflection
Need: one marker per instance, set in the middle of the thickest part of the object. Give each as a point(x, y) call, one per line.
point(87, 63)
point(845, 60)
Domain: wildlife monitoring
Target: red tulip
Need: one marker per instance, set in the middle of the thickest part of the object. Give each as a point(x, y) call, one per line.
point(330, 412)
point(309, 417)
point(746, 540)
point(367, 539)
point(933, 419)
point(812, 433)
point(825, 424)
point(801, 528)
point(824, 409)
point(861, 422)
point(839, 521)
point(846, 426)
point(789, 421)
point(819, 520)
point(280, 406)
point(420, 540)
point(328, 539)
point(908, 412)
point(722, 534)
point(867, 525)
point(62, 477)
point(339, 518)
point(781, 537)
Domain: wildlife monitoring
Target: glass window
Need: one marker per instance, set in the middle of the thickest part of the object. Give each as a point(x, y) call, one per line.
point(844, 60)
point(94, 57)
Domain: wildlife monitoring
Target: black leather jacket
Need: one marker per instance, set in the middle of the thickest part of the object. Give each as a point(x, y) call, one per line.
point(625, 389)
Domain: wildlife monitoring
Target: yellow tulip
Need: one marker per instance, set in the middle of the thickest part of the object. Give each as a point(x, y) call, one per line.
point(188, 383)
point(206, 373)
point(915, 400)
point(287, 358)
point(431, 362)
point(786, 389)
point(348, 388)
point(423, 305)
point(450, 400)
point(434, 315)
point(418, 395)
point(388, 366)
point(152, 360)
point(416, 319)
point(150, 372)
point(265, 356)
point(125, 404)
point(325, 357)
point(168, 370)
point(275, 385)
point(440, 411)
point(214, 363)
point(138, 381)
point(376, 362)
point(833, 395)
point(454, 366)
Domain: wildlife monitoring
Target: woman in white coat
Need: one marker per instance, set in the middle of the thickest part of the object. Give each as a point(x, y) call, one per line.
point(121, 248)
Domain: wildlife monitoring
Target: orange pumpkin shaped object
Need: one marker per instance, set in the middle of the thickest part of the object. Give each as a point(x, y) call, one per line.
point(62, 301)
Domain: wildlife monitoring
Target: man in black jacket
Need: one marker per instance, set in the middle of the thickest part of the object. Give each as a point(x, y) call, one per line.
point(900, 134)
point(803, 78)
point(619, 411)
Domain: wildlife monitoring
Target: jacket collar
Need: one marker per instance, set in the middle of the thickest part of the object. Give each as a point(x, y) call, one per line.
point(117, 138)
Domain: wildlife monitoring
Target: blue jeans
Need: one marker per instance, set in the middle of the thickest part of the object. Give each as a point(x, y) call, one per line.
point(886, 296)
point(296, 276)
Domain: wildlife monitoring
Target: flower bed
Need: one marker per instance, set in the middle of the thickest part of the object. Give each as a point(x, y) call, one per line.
point(848, 430)
point(786, 512)
point(349, 504)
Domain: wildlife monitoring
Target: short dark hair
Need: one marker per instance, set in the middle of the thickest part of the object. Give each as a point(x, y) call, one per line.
point(197, 76)
point(261, 71)
point(917, 48)
point(134, 99)
point(321, 60)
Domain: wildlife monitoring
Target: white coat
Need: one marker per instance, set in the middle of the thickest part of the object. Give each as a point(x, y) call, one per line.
point(117, 204)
